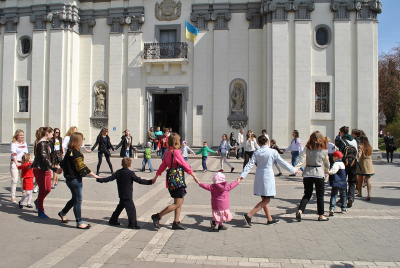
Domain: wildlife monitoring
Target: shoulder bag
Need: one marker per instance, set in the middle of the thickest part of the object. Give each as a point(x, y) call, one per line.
point(175, 177)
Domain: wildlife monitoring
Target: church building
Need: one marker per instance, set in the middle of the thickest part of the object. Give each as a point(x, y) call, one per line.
point(127, 64)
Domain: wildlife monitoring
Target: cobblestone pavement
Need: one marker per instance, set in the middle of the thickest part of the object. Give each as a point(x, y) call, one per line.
point(367, 236)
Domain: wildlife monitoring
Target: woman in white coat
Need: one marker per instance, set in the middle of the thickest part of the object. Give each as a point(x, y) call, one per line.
point(264, 182)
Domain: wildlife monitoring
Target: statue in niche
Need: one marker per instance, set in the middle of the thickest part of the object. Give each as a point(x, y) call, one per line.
point(100, 93)
point(168, 10)
point(238, 99)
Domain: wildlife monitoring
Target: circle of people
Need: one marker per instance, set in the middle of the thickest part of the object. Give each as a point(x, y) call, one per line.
point(346, 164)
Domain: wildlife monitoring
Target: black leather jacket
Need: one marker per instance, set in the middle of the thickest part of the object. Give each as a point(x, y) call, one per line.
point(102, 144)
point(43, 157)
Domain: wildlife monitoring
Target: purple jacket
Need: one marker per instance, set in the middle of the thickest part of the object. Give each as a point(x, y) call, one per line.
point(219, 194)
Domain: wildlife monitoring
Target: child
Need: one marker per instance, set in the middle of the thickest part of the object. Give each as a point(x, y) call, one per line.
point(147, 157)
point(185, 150)
point(27, 175)
point(223, 148)
point(338, 182)
point(163, 143)
point(219, 200)
point(264, 182)
point(204, 153)
point(125, 179)
point(275, 147)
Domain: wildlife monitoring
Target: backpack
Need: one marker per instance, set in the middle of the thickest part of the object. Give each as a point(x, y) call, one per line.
point(349, 155)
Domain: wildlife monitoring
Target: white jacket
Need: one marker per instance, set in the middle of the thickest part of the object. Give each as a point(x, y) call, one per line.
point(295, 146)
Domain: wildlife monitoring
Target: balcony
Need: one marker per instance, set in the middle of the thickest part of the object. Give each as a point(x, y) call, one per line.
point(165, 54)
point(157, 51)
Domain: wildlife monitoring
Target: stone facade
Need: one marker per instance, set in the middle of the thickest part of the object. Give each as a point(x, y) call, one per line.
point(271, 48)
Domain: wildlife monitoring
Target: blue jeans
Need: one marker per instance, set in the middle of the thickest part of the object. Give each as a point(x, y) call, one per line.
point(295, 155)
point(204, 162)
point(127, 153)
point(163, 150)
point(147, 160)
point(75, 186)
point(334, 194)
point(186, 158)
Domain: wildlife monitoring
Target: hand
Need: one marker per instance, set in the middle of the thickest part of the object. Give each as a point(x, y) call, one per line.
point(239, 179)
point(89, 151)
point(113, 150)
point(158, 149)
point(59, 171)
point(283, 151)
point(153, 180)
point(96, 177)
point(196, 179)
point(297, 171)
point(135, 149)
point(194, 154)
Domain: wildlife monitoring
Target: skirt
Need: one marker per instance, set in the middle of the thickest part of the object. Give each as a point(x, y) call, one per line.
point(178, 193)
point(222, 215)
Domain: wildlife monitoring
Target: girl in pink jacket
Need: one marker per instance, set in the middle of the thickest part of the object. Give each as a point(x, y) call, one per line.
point(219, 200)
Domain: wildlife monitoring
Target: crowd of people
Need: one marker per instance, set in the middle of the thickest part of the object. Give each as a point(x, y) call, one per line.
point(346, 164)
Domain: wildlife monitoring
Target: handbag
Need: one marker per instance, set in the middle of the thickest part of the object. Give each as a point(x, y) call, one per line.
point(107, 152)
point(175, 177)
point(394, 148)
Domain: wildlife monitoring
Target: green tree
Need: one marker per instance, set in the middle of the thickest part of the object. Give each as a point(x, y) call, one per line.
point(389, 83)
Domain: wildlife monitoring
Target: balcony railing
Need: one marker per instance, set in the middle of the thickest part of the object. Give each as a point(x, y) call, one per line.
point(177, 50)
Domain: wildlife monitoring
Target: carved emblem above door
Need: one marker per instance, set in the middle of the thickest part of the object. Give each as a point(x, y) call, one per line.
point(168, 10)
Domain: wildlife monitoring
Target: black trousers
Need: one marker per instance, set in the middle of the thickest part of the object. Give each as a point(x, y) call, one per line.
point(308, 191)
point(247, 156)
point(390, 151)
point(100, 155)
point(351, 182)
point(130, 210)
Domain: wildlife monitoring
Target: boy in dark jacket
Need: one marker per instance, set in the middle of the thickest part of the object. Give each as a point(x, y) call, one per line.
point(125, 179)
point(337, 180)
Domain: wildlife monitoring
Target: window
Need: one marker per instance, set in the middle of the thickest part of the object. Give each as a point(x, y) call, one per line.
point(23, 93)
point(322, 97)
point(167, 36)
point(322, 36)
point(24, 46)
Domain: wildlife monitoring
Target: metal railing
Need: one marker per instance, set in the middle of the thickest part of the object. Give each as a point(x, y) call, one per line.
point(177, 50)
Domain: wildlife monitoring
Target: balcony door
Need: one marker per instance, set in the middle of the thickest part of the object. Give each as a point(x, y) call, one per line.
point(168, 36)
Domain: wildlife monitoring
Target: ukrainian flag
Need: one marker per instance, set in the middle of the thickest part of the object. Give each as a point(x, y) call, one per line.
point(191, 31)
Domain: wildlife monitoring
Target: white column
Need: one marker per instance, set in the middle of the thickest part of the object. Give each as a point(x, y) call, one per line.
point(343, 75)
point(221, 86)
point(367, 113)
point(267, 78)
point(303, 87)
point(135, 121)
point(74, 71)
point(38, 82)
point(115, 86)
point(8, 96)
point(57, 76)
point(85, 86)
point(280, 81)
point(200, 89)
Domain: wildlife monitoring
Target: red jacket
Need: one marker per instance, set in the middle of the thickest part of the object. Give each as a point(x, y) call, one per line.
point(163, 142)
point(27, 174)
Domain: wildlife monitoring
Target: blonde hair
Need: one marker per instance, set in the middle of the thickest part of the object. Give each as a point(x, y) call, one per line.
point(75, 141)
point(70, 131)
point(174, 140)
point(366, 146)
point(25, 158)
point(126, 162)
point(14, 139)
point(316, 141)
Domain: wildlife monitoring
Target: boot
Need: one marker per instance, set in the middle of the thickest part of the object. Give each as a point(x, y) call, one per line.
point(156, 220)
point(177, 226)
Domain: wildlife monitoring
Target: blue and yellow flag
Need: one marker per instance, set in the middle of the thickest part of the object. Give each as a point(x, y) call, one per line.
point(191, 31)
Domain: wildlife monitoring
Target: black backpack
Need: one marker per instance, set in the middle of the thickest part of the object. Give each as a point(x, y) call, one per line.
point(350, 155)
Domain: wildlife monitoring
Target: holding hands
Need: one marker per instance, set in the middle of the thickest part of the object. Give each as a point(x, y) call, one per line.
point(239, 179)
point(196, 179)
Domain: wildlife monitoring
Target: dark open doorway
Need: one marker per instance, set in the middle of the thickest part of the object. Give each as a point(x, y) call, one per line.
point(168, 111)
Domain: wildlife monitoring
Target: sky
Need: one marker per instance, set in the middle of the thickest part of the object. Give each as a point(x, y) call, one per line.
point(389, 25)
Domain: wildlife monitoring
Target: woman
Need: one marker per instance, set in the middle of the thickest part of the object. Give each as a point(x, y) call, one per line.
point(389, 142)
point(296, 148)
point(74, 169)
point(173, 157)
point(41, 169)
point(67, 137)
point(37, 135)
point(126, 143)
point(233, 142)
point(58, 153)
point(249, 145)
point(103, 140)
point(315, 155)
point(18, 149)
point(365, 168)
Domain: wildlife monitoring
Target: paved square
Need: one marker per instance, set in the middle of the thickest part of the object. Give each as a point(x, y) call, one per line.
point(368, 235)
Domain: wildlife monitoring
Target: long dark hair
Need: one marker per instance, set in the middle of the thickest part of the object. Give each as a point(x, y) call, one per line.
point(297, 135)
point(103, 130)
point(59, 136)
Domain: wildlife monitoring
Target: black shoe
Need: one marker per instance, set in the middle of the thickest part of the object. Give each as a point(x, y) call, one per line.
point(273, 222)
point(350, 203)
point(156, 220)
point(222, 227)
point(279, 174)
point(292, 175)
point(247, 219)
point(114, 223)
point(232, 169)
point(29, 206)
point(213, 226)
point(20, 204)
point(133, 227)
point(298, 216)
point(177, 226)
point(322, 219)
